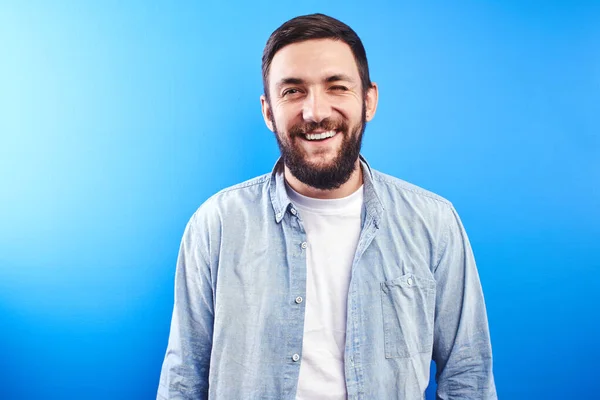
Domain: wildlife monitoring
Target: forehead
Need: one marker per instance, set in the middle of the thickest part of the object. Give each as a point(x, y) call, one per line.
point(313, 60)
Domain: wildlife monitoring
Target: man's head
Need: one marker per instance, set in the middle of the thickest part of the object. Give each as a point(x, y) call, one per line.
point(317, 98)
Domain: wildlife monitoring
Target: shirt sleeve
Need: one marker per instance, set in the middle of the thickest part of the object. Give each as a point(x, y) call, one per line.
point(462, 349)
point(185, 369)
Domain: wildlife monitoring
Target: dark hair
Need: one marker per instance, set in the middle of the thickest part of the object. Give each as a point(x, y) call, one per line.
point(314, 26)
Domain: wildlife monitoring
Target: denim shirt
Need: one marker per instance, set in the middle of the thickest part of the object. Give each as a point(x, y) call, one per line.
point(414, 296)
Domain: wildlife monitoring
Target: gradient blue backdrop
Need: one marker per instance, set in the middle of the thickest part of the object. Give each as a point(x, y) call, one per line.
point(118, 120)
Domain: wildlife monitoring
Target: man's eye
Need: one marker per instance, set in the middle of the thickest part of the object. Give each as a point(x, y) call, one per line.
point(339, 88)
point(290, 91)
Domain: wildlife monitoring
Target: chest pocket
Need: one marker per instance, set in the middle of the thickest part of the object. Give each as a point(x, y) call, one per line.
point(408, 304)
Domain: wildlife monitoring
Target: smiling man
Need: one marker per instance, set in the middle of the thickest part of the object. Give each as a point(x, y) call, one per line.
point(325, 279)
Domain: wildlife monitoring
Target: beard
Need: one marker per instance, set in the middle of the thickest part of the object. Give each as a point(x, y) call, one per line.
point(324, 176)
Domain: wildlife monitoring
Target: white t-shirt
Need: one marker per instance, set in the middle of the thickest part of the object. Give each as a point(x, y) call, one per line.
point(332, 232)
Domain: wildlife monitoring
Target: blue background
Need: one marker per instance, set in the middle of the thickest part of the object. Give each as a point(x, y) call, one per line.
point(118, 120)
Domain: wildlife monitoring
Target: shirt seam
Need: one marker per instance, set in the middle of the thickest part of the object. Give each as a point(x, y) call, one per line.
point(444, 244)
point(194, 236)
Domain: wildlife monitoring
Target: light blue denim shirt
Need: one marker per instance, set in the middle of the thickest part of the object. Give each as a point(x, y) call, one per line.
point(414, 296)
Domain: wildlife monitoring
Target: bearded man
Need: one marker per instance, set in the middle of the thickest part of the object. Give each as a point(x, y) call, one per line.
point(325, 279)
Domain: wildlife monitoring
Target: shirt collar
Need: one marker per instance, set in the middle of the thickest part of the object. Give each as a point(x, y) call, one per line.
point(281, 201)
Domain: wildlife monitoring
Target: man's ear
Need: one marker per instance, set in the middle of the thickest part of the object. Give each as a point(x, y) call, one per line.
point(267, 112)
point(371, 100)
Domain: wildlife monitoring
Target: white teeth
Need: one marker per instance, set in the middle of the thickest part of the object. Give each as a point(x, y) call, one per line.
point(319, 136)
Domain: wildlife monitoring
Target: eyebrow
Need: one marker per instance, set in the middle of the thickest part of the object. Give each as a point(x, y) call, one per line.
point(329, 79)
point(290, 81)
point(339, 77)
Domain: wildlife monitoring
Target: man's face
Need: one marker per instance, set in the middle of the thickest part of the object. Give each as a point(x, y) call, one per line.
point(317, 110)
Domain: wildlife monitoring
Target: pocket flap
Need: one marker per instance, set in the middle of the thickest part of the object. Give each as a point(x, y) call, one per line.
point(407, 281)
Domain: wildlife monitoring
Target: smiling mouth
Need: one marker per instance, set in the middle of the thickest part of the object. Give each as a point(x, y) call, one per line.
point(320, 136)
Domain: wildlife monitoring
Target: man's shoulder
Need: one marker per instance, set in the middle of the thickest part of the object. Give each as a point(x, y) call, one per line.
point(232, 199)
point(251, 185)
point(393, 186)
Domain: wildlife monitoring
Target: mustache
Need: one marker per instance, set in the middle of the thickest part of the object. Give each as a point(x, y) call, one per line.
point(303, 128)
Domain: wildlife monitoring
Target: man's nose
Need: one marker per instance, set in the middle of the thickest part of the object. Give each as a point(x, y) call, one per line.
point(316, 107)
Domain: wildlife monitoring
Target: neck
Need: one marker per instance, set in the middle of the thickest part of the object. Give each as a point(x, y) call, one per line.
point(351, 186)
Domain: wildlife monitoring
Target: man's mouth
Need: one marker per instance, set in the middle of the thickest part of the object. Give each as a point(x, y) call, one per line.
point(320, 136)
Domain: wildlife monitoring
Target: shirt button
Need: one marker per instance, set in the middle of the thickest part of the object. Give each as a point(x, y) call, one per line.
point(278, 215)
point(295, 357)
point(303, 245)
point(298, 300)
point(409, 281)
point(293, 211)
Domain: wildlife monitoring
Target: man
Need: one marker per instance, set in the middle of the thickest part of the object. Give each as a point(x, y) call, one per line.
point(325, 279)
